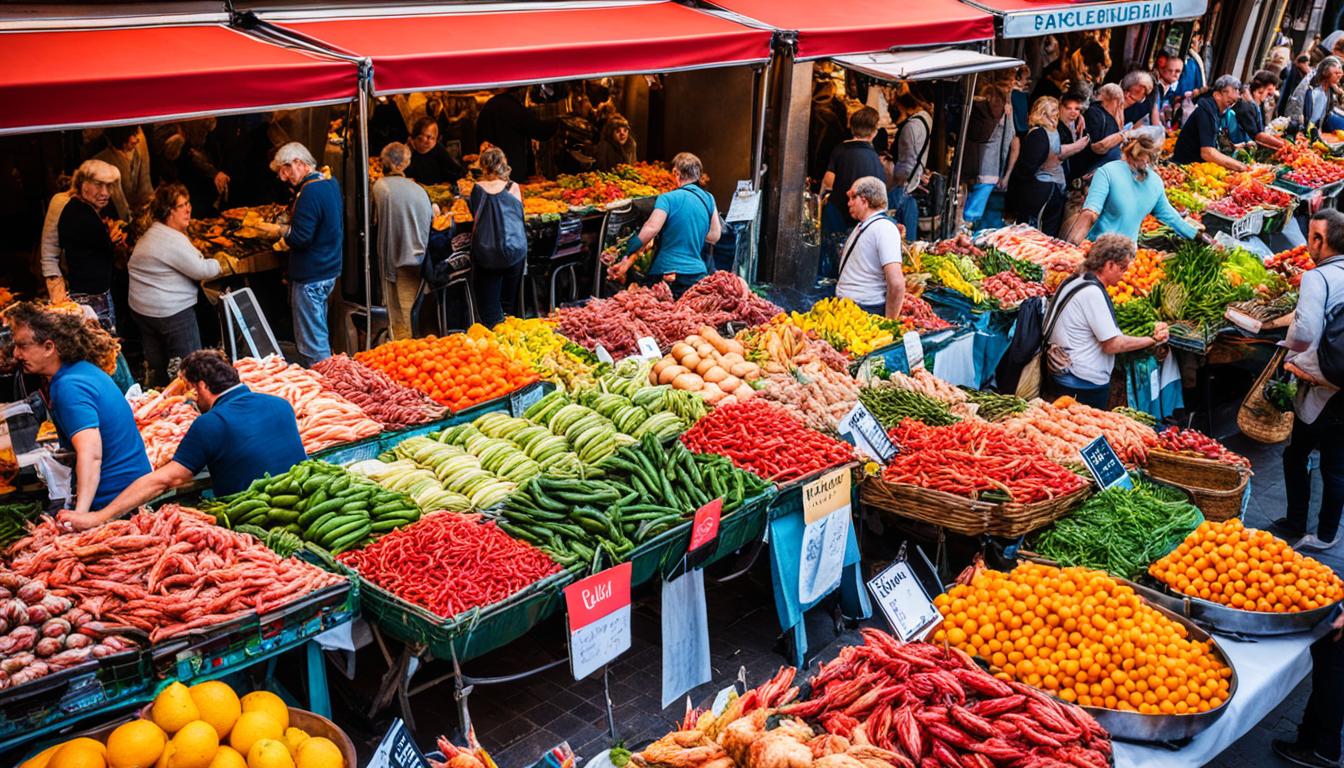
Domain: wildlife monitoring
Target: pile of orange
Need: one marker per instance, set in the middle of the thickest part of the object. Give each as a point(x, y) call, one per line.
point(1248, 569)
point(1083, 636)
point(458, 371)
point(1144, 272)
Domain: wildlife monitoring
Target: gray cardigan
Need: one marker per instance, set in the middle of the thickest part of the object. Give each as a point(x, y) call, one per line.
point(404, 215)
point(165, 269)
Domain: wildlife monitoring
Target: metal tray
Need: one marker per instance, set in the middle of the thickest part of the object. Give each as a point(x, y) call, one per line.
point(1134, 726)
point(1223, 619)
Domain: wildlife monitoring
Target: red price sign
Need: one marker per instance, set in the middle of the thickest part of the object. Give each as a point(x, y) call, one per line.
point(599, 619)
point(706, 525)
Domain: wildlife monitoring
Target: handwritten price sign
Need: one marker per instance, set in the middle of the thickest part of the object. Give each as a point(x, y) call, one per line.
point(599, 619)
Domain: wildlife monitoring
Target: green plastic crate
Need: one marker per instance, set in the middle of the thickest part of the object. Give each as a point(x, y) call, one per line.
point(55, 700)
point(661, 555)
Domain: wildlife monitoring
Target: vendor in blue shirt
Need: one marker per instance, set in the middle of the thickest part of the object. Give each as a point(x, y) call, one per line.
point(1126, 190)
point(92, 417)
point(240, 436)
point(683, 220)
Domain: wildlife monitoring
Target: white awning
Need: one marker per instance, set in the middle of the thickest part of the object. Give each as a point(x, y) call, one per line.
point(926, 65)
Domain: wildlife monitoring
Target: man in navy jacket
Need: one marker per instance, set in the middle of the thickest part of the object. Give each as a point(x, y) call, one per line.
point(314, 237)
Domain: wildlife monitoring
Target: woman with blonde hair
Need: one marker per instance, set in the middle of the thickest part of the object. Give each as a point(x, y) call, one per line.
point(1036, 185)
point(1126, 190)
point(498, 237)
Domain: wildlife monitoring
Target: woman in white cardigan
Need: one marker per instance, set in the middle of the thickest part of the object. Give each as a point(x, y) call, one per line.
point(166, 270)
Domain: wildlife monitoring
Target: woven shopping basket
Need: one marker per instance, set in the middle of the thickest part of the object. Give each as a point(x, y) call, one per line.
point(1257, 418)
point(1216, 488)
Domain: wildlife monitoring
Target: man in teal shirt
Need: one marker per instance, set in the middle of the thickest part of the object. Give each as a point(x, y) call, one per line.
point(684, 221)
point(1124, 191)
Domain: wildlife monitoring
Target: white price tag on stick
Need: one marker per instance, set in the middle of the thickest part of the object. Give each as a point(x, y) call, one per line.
point(826, 515)
point(599, 619)
point(648, 348)
point(603, 356)
point(904, 602)
point(914, 350)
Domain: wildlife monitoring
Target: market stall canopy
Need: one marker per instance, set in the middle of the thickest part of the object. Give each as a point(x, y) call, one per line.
point(925, 65)
point(1032, 18)
point(826, 29)
point(527, 44)
point(51, 79)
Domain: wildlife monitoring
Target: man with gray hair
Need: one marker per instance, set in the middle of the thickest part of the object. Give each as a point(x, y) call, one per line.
point(1138, 89)
point(403, 214)
point(1198, 141)
point(315, 237)
point(870, 262)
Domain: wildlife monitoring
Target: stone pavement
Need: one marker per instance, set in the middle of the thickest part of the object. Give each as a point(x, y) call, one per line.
point(519, 721)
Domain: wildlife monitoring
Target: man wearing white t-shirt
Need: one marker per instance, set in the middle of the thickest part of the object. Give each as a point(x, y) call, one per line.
point(870, 262)
point(1084, 339)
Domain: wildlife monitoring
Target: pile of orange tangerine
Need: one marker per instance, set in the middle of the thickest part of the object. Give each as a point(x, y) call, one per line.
point(1248, 569)
point(1083, 636)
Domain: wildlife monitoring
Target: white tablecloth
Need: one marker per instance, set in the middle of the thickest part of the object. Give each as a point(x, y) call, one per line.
point(1267, 671)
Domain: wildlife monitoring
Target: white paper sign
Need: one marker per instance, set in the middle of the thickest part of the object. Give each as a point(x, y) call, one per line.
point(648, 348)
point(914, 350)
point(595, 644)
point(867, 433)
point(685, 635)
point(603, 356)
point(826, 513)
point(903, 601)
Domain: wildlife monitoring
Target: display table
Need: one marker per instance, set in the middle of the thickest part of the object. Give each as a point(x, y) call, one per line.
point(1267, 671)
point(1151, 386)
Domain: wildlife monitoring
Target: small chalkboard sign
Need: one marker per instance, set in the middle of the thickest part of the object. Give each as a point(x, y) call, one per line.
point(248, 334)
point(1105, 465)
point(864, 430)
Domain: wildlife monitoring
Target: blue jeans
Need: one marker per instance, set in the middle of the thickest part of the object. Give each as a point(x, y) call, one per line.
point(905, 210)
point(497, 292)
point(309, 304)
point(1085, 392)
point(976, 201)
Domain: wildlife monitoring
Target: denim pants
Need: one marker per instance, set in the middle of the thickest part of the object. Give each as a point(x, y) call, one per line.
point(976, 201)
point(165, 338)
point(1326, 434)
point(1085, 392)
point(497, 292)
point(905, 210)
point(309, 304)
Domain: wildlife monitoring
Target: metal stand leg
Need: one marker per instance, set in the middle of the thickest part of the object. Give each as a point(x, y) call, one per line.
point(611, 717)
point(319, 700)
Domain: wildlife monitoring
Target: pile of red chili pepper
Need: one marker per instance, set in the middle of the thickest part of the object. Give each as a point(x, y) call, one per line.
point(450, 563)
point(766, 439)
point(976, 460)
point(927, 703)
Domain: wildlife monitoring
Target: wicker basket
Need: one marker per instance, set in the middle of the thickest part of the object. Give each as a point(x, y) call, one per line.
point(1219, 505)
point(1192, 471)
point(946, 510)
point(962, 515)
point(1012, 519)
point(1257, 418)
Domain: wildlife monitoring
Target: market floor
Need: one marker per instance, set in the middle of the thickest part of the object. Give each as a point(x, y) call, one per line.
point(518, 721)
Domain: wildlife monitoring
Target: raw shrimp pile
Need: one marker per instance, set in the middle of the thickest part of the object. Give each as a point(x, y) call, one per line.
point(163, 422)
point(166, 572)
point(1064, 427)
point(325, 417)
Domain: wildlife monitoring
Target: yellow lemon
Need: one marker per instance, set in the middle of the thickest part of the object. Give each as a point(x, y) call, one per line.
point(41, 759)
point(228, 757)
point(293, 738)
point(79, 753)
point(319, 752)
point(269, 753)
point(265, 701)
point(253, 727)
point(194, 746)
point(218, 705)
point(136, 744)
point(173, 708)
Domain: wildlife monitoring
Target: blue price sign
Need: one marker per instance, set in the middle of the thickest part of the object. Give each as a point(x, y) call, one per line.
point(1104, 464)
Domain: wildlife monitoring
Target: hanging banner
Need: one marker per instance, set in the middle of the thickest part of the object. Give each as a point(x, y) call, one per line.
point(1075, 17)
point(685, 623)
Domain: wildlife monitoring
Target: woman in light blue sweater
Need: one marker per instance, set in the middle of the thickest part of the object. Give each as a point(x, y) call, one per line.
point(166, 270)
point(1126, 190)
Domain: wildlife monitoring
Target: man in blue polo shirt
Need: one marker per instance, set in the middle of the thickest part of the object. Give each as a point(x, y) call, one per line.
point(92, 417)
point(240, 436)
